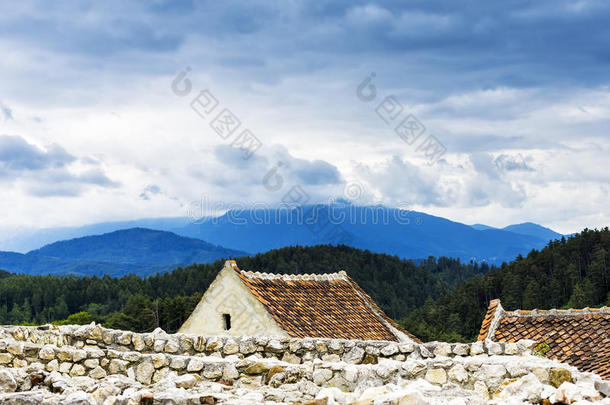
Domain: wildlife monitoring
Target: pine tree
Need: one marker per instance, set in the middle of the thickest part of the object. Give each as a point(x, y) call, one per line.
point(16, 315)
point(60, 310)
point(583, 295)
point(26, 309)
point(530, 295)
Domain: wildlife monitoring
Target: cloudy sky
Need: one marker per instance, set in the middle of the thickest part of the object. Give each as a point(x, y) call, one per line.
point(95, 125)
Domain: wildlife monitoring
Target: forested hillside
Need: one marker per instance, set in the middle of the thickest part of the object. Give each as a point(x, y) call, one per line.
point(165, 300)
point(437, 299)
point(567, 273)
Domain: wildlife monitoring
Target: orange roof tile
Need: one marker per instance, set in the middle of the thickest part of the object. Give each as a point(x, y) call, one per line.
point(325, 305)
point(579, 337)
point(491, 311)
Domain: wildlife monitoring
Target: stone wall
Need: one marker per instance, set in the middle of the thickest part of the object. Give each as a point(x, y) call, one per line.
point(148, 358)
point(290, 350)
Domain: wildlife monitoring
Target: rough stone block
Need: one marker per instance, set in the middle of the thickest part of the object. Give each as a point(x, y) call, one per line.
point(436, 376)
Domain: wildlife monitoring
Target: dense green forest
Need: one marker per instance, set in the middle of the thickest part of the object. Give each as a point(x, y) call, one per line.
point(165, 300)
point(567, 273)
point(436, 299)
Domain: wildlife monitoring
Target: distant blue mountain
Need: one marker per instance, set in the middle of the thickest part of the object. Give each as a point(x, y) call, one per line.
point(25, 240)
point(424, 235)
point(526, 228)
point(139, 251)
point(532, 229)
point(481, 227)
point(412, 235)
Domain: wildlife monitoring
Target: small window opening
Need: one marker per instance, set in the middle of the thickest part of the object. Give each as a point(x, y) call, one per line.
point(227, 321)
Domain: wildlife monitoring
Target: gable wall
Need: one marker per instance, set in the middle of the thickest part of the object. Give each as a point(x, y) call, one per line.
point(228, 295)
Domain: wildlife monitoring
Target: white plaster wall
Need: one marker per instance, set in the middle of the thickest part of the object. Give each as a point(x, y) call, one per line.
point(228, 295)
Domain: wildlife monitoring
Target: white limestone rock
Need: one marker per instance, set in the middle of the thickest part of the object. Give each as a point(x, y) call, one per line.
point(53, 365)
point(47, 352)
point(354, 356)
point(144, 372)
point(65, 353)
point(138, 342)
point(5, 358)
point(77, 370)
point(98, 373)
point(387, 368)
point(15, 348)
point(185, 381)
point(124, 338)
point(477, 348)
point(230, 372)
point(493, 348)
point(213, 371)
point(116, 366)
point(333, 395)
point(442, 349)
point(94, 352)
point(567, 393)
point(511, 348)
point(436, 376)
point(320, 376)
point(178, 362)
point(77, 398)
point(213, 344)
point(481, 388)
point(79, 355)
point(230, 347)
point(171, 346)
point(7, 382)
point(461, 349)
point(458, 374)
point(159, 360)
point(275, 346)
point(390, 349)
point(159, 345)
point(414, 368)
point(527, 388)
point(195, 364)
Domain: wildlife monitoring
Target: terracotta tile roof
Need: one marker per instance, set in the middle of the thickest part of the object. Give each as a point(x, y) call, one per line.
point(579, 337)
point(325, 305)
point(491, 312)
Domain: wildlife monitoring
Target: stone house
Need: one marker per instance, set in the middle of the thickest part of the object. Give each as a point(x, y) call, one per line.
point(579, 337)
point(332, 305)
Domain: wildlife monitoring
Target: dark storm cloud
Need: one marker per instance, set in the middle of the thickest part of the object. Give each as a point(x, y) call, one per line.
point(513, 43)
point(304, 172)
point(45, 170)
point(17, 154)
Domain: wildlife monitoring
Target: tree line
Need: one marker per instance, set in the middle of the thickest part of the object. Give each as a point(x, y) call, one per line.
point(435, 299)
point(166, 300)
point(567, 273)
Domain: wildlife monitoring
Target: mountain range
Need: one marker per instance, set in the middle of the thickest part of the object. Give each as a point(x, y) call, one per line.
point(407, 234)
point(137, 250)
point(526, 228)
point(148, 246)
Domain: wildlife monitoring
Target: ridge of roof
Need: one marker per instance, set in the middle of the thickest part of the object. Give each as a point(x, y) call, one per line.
point(295, 277)
point(495, 312)
point(556, 312)
point(340, 275)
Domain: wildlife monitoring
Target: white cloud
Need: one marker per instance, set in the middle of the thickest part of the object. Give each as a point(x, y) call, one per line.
point(525, 122)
